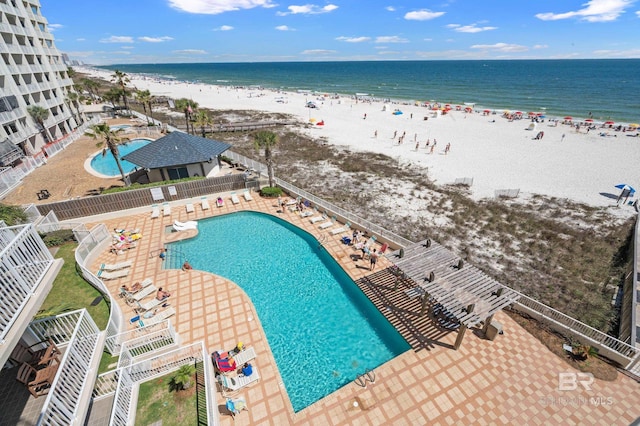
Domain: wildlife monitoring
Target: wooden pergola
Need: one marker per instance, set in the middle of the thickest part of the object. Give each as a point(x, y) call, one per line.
point(461, 290)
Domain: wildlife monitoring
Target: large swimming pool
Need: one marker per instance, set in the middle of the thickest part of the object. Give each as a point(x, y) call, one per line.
point(107, 165)
point(322, 329)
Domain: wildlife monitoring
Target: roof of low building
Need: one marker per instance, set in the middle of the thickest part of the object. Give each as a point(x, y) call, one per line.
point(175, 149)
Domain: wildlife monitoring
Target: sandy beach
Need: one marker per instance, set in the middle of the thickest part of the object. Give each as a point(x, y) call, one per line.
point(496, 152)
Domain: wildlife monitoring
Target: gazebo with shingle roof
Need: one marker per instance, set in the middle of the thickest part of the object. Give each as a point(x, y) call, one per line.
point(179, 155)
point(460, 291)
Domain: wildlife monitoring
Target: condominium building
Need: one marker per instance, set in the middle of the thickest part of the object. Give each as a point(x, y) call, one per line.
point(32, 73)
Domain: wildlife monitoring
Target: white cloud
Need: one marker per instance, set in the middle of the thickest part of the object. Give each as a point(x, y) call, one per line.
point(53, 27)
point(390, 8)
point(308, 9)
point(81, 39)
point(215, 7)
point(117, 39)
point(284, 28)
point(470, 28)
point(317, 52)
point(540, 46)
point(127, 47)
point(190, 52)
point(422, 15)
point(224, 28)
point(353, 39)
point(391, 39)
point(595, 11)
point(501, 47)
point(155, 39)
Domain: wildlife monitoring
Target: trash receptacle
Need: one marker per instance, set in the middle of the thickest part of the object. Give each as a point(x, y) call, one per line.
point(493, 330)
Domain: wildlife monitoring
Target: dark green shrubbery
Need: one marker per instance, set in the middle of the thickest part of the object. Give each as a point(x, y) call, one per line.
point(271, 191)
point(57, 238)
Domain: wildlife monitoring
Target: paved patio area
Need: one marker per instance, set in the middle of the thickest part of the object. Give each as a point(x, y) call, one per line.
point(513, 379)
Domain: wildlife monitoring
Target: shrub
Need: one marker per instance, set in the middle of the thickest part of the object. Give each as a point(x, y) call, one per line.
point(57, 238)
point(12, 215)
point(271, 191)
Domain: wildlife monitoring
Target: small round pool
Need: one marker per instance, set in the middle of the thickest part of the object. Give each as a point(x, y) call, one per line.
point(106, 165)
point(119, 127)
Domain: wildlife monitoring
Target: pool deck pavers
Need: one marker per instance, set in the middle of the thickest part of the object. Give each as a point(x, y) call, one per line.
point(511, 380)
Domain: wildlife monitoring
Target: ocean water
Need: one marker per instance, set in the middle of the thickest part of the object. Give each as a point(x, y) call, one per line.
point(606, 88)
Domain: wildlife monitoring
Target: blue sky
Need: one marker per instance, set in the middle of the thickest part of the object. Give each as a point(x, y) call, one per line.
point(163, 31)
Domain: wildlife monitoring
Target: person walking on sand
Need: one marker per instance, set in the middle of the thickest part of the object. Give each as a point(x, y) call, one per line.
point(562, 138)
point(432, 148)
point(426, 145)
point(417, 145)
point(365, 116)
point(395, 134)
point(375, 134)
point(447, 148)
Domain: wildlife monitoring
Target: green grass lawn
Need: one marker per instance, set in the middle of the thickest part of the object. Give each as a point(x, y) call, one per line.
point(71, 291)
point(158, 400)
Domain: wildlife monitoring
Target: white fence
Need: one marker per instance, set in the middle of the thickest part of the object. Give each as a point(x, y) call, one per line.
point(24, 260)
point(58, 146)
point(88, 248)
point(10, 177)
point(68, 398)
point(123, 412)
point(147, 342)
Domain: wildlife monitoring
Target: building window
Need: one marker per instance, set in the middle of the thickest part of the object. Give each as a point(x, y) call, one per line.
point(178, 173)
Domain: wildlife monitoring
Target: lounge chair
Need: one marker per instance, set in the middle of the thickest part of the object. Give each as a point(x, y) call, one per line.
point(138, 296)
point(233, 384)
point(245, 356)
point(223, 362)
point(149, 305)
point(236, 405)
point(327, 224)
point(234, 198)
point(306, 213)
point(344, 228)
point(205, 203)
point(155, 211)
point(219, 202)
point(183, 226)
point(106, 275)
point(316, 219)
point(157, 318)
point(189, 207)
point(247, 196)
point(166, 209)
point(116, 266)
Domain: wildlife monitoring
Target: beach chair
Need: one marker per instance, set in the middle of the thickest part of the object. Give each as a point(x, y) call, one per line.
point(327, 224)
point(219, 202)
point(38, 381)
point(106, 275)
point(231, 384)
point(146, 291)
point(342, 229)
point(166, 209)
point(157, 318)
point(235, 406)
point(306, 213)
point(234, 198)
point(116, 266)
point(244, 356)
point(247, 196)
point(316, 219)
point(189, 207)
point(155, 211)
point(204, 203)
point(149, 305)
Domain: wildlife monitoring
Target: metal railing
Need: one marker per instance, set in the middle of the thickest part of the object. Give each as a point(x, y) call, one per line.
point(123, 407)
point(59, 145)
point(106, 384)
point(151, 341)
point(24, 260)
point(67, 400)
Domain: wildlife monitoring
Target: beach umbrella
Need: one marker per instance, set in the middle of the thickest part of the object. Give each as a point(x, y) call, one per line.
point(487, 110)
point(624, 186)
point(634, 125)
point(568, 118)
point(531, 113)
point(588, 120)
point(518, 113)
point(609, 123)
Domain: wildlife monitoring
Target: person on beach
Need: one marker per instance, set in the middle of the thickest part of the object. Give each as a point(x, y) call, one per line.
point(186, 266)
point(417, 145)
point(162, 295)
point(562, 138)
point(426, 145)
point(447, 148)
point(373, 258)
point(395, 134)
point(375, 134)
point(432, 148)
point(365, 116)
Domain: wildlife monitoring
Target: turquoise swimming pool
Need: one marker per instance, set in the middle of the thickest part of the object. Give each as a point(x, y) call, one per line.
point(322, 329)
point(107, 165)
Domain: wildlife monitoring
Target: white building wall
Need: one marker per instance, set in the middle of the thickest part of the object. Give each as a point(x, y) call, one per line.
point(32, 72)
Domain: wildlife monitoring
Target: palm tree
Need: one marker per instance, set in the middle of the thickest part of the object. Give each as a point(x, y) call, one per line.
point(90, 86)
point(73, 98)
point(184, 377)
point(144, 97)
point(266, 140)
point(113, 95)
point(121, 79)
point(187, 106)
point(39, 115)
point(109, 140)
point(203, 120)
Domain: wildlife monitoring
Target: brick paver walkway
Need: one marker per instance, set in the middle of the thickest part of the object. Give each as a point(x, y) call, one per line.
point(512, 380)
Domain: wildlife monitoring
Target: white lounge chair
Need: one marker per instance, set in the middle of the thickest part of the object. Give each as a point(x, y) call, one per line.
point(106, 275)
point(166, 209)
point(344, 228)
point(232, 384)
point(148, 290)
point(327, 224)
point(205, 203)
point(189, 208)
point(245, 356)
point(234, 198)
point(159, 317)
point(155, 211)
point(116, 266)
point(316, 219)
point(306, 213)
point(149, 305)
point(183, 226)
point(247, 196)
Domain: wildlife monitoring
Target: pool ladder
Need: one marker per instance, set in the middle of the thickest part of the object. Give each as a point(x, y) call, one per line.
point(323, 239)
point(367, 376)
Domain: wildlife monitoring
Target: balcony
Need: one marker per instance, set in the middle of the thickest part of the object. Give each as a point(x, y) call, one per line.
point(68, 392)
